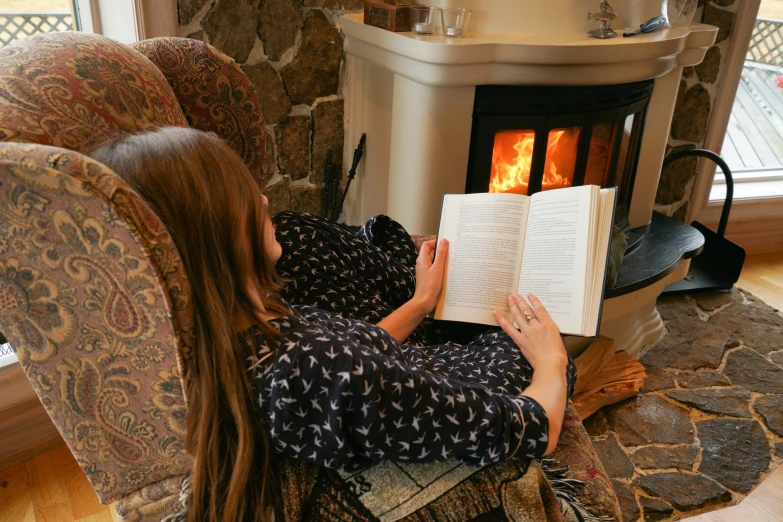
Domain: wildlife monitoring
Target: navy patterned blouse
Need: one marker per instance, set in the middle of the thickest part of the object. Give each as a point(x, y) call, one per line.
point(343, 393)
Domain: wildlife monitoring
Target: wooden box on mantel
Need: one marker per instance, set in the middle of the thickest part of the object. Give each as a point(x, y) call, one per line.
point(395, 18)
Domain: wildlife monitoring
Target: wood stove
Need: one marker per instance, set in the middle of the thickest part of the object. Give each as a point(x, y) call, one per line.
point(526, 139)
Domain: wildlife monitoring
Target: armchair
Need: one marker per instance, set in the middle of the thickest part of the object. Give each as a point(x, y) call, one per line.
point(95, 301)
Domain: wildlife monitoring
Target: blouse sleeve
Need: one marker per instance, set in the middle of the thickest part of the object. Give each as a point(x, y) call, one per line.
point(339, 403)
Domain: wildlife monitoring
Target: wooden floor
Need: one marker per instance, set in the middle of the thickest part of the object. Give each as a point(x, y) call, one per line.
point(49, 488)
point(754, 138)
point(52, 488)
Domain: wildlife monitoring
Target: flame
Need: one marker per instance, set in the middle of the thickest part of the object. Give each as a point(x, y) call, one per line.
point(511, 170)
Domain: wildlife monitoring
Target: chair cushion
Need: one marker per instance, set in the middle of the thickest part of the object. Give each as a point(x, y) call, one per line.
point(76, 90)
point(214, 94)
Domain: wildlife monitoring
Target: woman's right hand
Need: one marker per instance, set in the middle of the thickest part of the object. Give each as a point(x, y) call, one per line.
point(538, 338)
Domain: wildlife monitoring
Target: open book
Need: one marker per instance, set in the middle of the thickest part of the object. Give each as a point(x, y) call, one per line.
point(553, 244)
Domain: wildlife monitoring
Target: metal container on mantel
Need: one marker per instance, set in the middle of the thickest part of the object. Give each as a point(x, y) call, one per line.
point(548, 16)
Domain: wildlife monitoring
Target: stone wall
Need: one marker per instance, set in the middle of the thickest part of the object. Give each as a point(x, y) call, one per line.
point(292, 52)
point(695, 100)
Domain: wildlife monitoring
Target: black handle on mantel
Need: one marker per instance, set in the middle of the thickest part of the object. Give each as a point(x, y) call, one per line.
point(704, 153)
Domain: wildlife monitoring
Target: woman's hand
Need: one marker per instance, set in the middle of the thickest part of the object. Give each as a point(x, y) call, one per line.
point(538, 336)
point(429, 274)
point(429, 282)
point(539, 340)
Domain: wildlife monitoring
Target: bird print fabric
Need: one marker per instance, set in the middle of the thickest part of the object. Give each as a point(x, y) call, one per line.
point(343, 393)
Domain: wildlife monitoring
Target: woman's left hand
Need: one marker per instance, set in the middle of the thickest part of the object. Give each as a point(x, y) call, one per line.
point(430, 267)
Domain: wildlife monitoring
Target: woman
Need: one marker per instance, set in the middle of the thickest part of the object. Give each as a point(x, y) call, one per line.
point(324, 387)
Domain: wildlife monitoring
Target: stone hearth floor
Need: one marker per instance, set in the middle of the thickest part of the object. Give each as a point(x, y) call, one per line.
point(708, 425)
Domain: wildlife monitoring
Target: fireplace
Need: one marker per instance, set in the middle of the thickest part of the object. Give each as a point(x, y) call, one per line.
point(526, 139)
point(526, 81)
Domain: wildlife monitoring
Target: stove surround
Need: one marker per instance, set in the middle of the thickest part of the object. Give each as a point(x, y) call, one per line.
point(597, 130)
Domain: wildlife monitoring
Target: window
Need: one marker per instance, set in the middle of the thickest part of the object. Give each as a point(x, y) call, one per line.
point(23, 18)
point(753, 145)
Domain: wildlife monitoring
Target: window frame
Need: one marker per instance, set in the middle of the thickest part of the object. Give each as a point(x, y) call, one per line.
point(128, 21)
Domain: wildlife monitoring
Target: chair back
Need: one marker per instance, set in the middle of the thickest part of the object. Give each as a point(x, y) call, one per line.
point(77, 90)
point(84, 270)
point(215, 96)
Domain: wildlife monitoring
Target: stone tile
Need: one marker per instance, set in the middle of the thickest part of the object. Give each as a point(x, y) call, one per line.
point(189, 8)
point(674, 178)
point(699, 345)
point(734, 452)
point(655, 510)
point(777, 357)
point(692, 114)
point(315, 70)
point(721, 18)
point(708, 69)
point(328, 133)
point(657, 379)
point(703, 380)
point(756, 324)
point(628, 504)
point(293, 147)
point(279, 196)
point(675, 307)
point(713, 300)
point(656, 457)
point(779, 449)
point(684, 492)
point(747, 368)
point(278, 23)
point(596, 424)
point(231, 27)
point(274, 100)
point(307, 199)
point(615, 461)
point(771, 408)
point(650, 419)
point(722, 401)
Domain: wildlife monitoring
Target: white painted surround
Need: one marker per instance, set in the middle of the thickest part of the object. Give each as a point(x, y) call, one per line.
point(413, 97)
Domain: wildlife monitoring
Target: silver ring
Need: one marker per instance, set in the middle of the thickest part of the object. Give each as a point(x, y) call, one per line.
point(528, 317)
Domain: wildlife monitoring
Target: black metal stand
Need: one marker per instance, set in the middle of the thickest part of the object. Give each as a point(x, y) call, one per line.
point(720, 264)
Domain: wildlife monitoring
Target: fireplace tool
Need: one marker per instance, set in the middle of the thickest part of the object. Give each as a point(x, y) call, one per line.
point(605, 16)
point(357, 157)
point(719, 265)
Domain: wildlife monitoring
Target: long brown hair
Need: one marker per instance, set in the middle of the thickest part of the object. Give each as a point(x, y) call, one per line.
point(214, 210)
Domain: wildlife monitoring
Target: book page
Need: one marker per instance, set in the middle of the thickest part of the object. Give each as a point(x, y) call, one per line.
point(485, 233)
point(603, 233)
point(554, 265)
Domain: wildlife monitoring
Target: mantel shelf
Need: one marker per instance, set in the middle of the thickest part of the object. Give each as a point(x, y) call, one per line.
point(530, 59)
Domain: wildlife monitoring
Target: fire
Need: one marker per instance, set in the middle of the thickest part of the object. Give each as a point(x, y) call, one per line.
point(512, 157)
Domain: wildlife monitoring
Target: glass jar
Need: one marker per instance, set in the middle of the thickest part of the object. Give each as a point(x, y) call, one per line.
point(679, 13)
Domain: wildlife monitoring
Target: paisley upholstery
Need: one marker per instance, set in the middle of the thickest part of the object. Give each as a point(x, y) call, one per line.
point(214, 94)
point(75, 90)
point(152, 502)
point(83, 267)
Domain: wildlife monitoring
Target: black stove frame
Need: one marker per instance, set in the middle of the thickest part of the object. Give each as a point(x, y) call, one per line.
point(542, 109)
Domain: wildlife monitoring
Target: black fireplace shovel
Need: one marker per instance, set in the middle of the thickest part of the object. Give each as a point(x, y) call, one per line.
point(719, 265)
